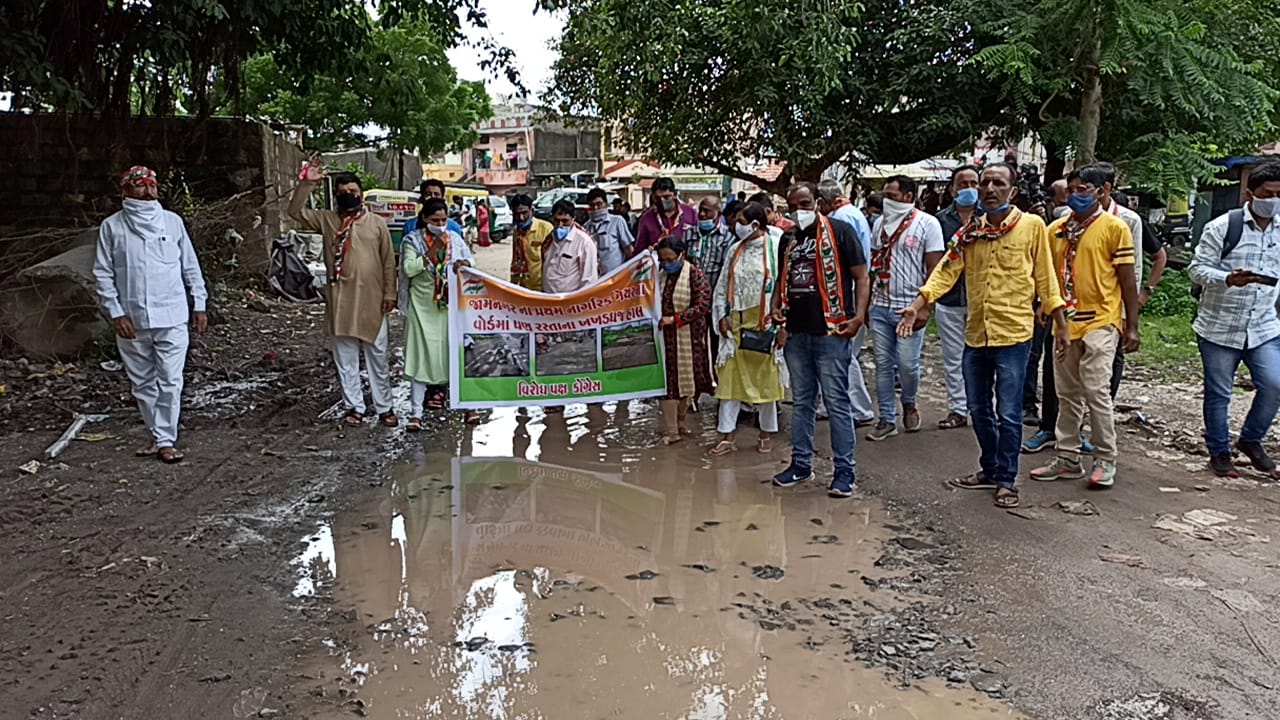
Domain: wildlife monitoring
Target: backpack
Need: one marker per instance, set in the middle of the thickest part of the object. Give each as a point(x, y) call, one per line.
point(1235, 229)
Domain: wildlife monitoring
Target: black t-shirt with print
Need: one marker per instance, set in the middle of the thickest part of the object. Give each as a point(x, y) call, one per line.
point(799, 248)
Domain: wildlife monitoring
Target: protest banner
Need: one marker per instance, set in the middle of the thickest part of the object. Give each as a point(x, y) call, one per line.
point(510, 346)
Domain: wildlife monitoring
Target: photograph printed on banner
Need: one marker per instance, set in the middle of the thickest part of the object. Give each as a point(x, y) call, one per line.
point(628, 345)
point(496, 355)
point(565, 353)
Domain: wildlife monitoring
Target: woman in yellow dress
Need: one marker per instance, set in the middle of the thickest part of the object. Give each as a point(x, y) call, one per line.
point(748, 366)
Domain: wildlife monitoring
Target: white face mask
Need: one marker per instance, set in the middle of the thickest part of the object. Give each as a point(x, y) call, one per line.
point(1265, 207)
point(437, 229)
point(805, 218)
point(744, 231)
point(894, 210)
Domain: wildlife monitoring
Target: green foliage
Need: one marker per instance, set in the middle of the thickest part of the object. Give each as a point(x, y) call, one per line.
point(1168, 347)
point(808, 81)
point(187, 56)
point(397, 90)
point(1184, 82)
point(367, 179)
point(1172, 297)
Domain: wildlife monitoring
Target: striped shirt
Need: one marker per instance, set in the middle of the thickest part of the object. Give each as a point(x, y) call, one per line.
point(1237, 317)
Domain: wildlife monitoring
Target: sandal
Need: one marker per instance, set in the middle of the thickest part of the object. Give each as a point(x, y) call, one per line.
point(436, 401)
point(764, 445)
point(353, 419)
point(724, 447)
point(148, 451)
point(169, 455)
point(414, 425)
point(975, 481)
point(952, 421)
point(389, 419)
point(1007, 498)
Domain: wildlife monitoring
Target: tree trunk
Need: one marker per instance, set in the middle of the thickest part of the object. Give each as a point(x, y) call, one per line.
point(1090, 106)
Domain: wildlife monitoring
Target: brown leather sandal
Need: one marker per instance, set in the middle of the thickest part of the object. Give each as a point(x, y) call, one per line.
point(389, 419)
point(169, 455)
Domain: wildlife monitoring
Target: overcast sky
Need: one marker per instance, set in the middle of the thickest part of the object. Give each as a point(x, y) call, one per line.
point(514, 24)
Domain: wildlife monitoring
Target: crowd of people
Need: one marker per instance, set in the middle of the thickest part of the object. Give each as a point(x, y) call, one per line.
point(755, 301)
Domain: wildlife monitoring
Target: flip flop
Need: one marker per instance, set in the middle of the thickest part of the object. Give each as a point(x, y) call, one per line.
point(724, 447)
point(974, 481)
point(414, 425)
point(389, 419)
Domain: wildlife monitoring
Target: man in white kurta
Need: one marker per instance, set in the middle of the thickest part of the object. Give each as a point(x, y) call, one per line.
point(145, 267)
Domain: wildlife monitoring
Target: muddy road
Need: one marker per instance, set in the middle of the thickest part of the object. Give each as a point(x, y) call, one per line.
point(563, 566)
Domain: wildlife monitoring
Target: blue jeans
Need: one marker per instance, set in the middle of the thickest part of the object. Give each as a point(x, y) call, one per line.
point(896, 358)
point(998, 371)
point(1220, 365)
point(820, 361)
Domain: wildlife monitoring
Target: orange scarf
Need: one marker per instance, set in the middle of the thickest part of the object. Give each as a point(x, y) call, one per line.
point(827, 258)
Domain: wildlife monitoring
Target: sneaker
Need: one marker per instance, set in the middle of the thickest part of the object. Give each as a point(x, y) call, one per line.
point(1042, 440)
point(1060, 469)
point(1257, 455)
point(1031, 417)
point(910, 418)
point(865, 422)
point(842, 485)
point(1085, 446)
point(1223, 465)
point(793, 475)
point(1103, 475)
point(882, 430)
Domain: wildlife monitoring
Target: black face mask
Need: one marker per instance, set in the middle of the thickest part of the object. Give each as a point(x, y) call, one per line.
point(348, 203)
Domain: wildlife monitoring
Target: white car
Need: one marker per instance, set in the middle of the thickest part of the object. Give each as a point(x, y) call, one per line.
point(502, 220)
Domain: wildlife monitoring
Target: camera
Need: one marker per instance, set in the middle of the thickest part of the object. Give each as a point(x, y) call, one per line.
point(1030, 187)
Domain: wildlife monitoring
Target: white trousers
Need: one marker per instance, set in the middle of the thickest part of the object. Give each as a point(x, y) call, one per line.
point(417, 397)
point(729, 416)
point(346, 355)
point(858, 395)
point(155, 360)
point(951, 325)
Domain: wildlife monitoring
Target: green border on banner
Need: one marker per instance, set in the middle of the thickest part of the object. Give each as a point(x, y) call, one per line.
point(633, 382)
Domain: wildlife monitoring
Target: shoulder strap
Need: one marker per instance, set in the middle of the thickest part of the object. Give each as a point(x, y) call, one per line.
point(1235, 228)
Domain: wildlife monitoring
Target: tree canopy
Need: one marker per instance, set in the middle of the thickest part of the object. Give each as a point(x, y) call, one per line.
point(807, 81)
point(189, 56)
point(1147, 85)
point(398, 90)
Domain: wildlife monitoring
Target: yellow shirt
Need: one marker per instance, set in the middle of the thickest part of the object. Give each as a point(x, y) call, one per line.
point(1106, 244)
point(1002, 278)
point(532, 244)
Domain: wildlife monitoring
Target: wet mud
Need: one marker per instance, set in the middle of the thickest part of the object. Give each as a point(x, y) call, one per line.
point(566, 567)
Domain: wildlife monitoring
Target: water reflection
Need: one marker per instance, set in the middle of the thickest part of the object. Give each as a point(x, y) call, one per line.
point(497, 584)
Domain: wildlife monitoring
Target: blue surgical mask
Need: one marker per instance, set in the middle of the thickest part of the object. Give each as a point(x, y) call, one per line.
point(706, 226)
point(996, 210)
point(967, 197)
point(672, 267)
point(525, 225)
point(1081, 202)
point(668, 205)
point(562, 232)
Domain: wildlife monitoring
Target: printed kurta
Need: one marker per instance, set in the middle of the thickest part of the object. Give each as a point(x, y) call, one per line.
point(353, 305)
point(695, 318)
point(747, 376)
point(426, 324)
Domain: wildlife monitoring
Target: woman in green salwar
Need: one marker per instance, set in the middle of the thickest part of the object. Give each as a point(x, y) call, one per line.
point(425, 256)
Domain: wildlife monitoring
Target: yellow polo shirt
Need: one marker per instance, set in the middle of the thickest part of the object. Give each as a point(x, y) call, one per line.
point(533, 241)
point(1106, 245)
point(1003, 277)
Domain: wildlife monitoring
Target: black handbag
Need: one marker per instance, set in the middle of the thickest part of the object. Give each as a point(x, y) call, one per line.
point(760, 341)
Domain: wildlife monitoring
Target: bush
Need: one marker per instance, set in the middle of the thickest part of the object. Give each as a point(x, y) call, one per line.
point(1172, 297)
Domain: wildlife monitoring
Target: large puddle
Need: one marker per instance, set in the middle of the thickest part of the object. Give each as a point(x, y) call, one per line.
point(564, 568)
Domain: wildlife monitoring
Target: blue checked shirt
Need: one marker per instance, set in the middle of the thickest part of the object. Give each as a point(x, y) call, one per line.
point(1237, 317)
